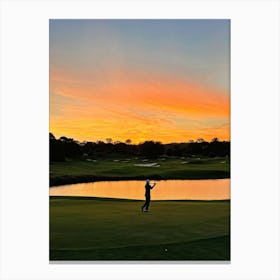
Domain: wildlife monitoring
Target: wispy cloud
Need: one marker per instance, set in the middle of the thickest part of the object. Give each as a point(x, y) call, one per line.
point(108, 81)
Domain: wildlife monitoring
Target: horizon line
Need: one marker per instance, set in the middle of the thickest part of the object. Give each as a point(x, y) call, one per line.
point(198, 140)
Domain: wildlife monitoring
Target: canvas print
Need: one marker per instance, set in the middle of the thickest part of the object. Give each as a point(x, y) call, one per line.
point(139, 140)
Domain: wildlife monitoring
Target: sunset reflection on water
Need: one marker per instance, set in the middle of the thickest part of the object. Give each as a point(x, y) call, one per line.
point(217, 189)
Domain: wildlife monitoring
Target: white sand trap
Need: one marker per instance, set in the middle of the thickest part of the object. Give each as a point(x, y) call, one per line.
point(222, 162)
point(116, 160)
point(184, 162)
point(157, 165)
point(146, 164)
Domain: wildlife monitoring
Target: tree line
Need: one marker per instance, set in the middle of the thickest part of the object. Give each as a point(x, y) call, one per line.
point(64, 147)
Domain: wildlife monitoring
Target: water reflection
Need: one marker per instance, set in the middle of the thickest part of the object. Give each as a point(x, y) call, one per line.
point(165, 190)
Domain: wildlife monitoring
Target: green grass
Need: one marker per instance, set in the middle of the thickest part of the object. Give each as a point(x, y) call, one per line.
point(84, 171)
point(110, 229)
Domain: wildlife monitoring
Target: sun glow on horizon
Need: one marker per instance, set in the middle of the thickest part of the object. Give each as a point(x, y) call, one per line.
point(129, 91)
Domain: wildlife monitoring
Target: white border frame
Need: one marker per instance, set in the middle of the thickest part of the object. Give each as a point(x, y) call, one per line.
point(254, 123)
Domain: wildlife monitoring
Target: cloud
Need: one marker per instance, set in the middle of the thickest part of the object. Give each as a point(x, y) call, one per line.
point(136, 105)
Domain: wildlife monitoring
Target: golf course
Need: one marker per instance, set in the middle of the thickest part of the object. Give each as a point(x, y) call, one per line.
point(116, 229)
point(91, 228)
point(137, 104)
point(78, 171)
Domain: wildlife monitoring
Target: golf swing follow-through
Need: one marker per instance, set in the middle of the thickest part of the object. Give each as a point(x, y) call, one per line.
point(148, 188)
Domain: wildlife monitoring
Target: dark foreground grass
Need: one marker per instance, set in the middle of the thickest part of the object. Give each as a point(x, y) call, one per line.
point(109, 229)
point(107, 169)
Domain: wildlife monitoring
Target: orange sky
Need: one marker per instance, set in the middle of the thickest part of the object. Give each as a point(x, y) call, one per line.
point(130, 108)
point(121, 101)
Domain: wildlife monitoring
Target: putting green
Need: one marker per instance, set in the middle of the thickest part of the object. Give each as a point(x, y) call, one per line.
point(112, 229)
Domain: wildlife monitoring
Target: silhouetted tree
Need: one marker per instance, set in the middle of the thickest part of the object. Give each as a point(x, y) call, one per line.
point(51, 136)
point(65, 147)
point(56, 149)
point(71, 148)
point(151, 149)
point(200, 140)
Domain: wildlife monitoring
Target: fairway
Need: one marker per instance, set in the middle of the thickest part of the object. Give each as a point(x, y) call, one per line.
point(77, 171)
point(113, 229)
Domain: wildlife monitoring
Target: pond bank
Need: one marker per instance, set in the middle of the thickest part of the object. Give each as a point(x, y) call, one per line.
point(72, 172)
point(66, 180)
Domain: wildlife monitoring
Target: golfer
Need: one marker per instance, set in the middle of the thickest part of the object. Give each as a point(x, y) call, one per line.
point(148, 188)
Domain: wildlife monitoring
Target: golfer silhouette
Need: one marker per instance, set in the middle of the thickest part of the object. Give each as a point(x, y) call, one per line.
point(148, 188)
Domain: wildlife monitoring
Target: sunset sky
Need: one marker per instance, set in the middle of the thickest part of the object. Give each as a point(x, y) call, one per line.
point(162, 80)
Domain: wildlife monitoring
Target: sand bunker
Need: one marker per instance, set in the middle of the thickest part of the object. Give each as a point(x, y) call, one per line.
point(154, 164)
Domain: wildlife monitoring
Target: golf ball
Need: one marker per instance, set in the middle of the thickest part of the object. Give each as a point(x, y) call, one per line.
point(165, 250)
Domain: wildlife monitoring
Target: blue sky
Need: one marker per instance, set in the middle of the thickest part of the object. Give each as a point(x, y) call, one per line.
point(97, 63)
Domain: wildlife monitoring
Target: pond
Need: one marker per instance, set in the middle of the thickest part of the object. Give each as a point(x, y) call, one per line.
point(217, 189)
